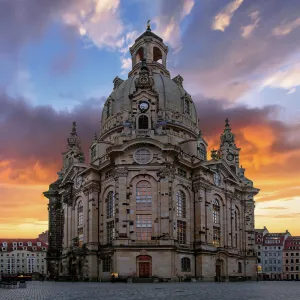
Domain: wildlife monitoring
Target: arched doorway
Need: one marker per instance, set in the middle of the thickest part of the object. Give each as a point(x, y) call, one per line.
point(144, 266)
point(219, 269)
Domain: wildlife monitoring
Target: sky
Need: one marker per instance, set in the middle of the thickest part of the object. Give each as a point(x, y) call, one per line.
point(239, 59)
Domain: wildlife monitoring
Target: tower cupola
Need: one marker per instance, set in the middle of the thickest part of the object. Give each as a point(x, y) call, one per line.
point(151, 48)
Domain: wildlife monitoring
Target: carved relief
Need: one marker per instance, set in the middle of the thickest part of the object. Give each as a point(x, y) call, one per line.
point(167, 171)
point(121, 172)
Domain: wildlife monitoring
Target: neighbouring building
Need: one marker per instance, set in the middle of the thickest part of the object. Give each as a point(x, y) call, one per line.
point(44, 237)
point(259, 239)
point(23, 256)
point(272, 255)
point(291, 257)
point(148, 201)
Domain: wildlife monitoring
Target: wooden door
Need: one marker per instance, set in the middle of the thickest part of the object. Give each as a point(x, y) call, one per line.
point(144, 269)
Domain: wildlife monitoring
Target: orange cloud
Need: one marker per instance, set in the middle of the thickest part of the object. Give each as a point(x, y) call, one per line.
point(24, 175)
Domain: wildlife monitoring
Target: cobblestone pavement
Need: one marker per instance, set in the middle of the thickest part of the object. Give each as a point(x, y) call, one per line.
point(150, 291)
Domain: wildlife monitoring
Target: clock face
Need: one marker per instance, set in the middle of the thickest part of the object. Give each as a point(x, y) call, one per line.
point(217, 179)
point(143, 106)
point(230, 157)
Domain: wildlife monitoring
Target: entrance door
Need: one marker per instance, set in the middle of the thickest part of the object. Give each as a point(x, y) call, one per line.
point(144, 269)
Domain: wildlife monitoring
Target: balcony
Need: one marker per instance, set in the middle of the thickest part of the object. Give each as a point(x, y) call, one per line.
point(143, 132)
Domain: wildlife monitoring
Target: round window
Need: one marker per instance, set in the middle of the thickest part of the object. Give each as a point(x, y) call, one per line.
point(143, 156)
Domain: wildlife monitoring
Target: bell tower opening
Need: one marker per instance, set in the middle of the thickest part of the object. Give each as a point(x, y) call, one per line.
point(139, 55)
point(157, 55)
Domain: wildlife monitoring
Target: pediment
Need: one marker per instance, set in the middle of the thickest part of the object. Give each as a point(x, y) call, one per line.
point(225, 170)
point(144, 93)
point(71, 173)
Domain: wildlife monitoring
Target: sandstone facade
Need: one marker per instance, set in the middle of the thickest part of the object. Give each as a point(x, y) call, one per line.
point(149, 203)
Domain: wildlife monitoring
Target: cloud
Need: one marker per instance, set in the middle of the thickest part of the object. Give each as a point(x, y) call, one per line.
point(98, 20)
point(283, 216)
point(274, 207)
point(41, 132)
point(222, 19)
point(248, 29)
point(226, 64)
point(171, 14)
point(286, 28)
point(288, 78)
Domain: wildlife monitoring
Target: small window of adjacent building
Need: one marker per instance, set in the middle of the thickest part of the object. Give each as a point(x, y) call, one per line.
point(4, 244)
point(39, 244)
point(20, 243)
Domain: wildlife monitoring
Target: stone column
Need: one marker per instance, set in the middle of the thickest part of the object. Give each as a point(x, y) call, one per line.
point(167, 215)
point(69, 220)
point(93, 217)
point(120, 176)
point(65, 233)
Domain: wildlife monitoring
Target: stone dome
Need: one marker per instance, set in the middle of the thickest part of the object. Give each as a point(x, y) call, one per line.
point(171, 96)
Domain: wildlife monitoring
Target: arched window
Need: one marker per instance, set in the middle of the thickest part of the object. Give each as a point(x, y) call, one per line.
point(110, 205)
point(239, 267)
point(216, 212)
point(143, 122)
point(202, 152)
point(157, 55)
point(181, 204)
point(143, 195)
point(139, 55)
point(185, 264)
point(80, 222)
point(187, 106)
point(216, 222)
point(143, 205)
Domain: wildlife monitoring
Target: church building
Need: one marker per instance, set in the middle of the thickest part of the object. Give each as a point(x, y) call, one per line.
point(148, 202)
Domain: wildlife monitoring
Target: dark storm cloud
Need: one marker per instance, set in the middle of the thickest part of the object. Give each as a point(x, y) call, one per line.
point(212, 114)
point(40, 132)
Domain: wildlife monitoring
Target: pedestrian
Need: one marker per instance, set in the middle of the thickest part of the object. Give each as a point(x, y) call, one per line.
point(113, 278)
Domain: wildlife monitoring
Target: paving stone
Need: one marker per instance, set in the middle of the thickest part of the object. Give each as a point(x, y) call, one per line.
point(150, 291)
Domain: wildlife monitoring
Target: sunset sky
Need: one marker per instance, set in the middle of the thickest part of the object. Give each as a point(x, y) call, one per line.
point(239, 59)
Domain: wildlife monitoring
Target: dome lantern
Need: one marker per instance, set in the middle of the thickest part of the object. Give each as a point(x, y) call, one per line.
point(151, 48)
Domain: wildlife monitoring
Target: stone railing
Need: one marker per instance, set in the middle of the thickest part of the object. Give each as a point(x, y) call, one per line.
point(142, 132)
